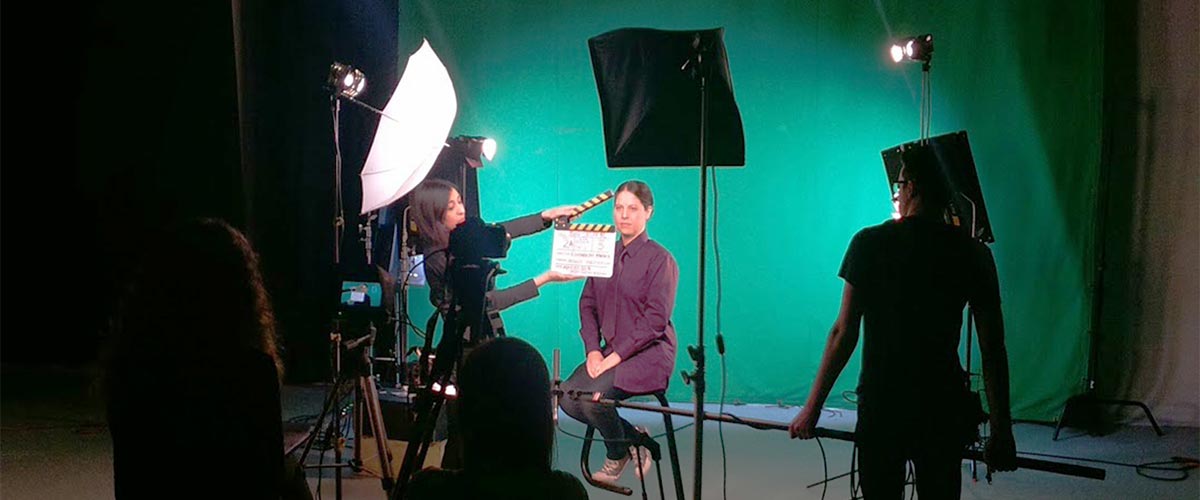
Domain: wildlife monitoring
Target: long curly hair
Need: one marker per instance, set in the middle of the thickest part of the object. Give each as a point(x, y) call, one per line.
point(196, 296)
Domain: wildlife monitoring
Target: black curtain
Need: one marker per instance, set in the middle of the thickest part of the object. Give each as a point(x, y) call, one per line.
point(118, 117)
point(284, 52)
point(141, 113)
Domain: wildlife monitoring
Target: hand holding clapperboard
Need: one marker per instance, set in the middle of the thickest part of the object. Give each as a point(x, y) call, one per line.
point(584, 249)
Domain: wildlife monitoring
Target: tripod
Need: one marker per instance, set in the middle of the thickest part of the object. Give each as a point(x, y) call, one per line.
point(469, 278)
point(366, 397)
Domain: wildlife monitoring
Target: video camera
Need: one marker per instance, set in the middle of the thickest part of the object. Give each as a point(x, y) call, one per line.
point(472, 273)
point(360, 314)
point(475, 240)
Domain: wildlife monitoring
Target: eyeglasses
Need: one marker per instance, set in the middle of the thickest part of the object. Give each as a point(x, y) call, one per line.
point(896, 185)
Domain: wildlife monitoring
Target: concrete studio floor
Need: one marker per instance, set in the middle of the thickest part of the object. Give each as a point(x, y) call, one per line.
point(54, 444)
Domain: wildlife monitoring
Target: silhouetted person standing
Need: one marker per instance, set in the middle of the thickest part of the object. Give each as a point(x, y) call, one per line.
point(909, 280)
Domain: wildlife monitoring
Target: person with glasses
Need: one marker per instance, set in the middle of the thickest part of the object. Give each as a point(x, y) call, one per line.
point(907, 281)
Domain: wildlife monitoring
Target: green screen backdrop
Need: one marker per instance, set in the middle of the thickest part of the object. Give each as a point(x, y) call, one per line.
point(819, 98)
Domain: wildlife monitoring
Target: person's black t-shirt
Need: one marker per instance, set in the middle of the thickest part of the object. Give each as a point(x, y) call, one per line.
point(914, 276)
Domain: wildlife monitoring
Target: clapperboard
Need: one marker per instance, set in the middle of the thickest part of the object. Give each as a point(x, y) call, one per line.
point(585, 249)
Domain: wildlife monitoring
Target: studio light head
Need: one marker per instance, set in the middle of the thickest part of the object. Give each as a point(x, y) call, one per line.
point(914, 48)
point(346, 80)
point(475, 148)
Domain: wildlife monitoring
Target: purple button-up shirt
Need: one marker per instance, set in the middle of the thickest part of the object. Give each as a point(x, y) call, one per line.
point(631, 312)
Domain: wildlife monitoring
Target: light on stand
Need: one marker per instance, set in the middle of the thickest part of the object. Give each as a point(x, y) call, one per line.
point(915, 48)
point(919, 48)
point(475, 149)
point(346, 80)
point(489, 149)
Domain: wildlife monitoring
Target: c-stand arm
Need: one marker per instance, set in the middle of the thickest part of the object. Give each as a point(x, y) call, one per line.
point(969, 454)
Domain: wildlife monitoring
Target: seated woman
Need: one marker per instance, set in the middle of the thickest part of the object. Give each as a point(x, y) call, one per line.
point(507, 430)
point(625, 322)
point(193, 372)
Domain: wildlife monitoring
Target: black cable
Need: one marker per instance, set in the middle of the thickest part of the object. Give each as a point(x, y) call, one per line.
point(854, 471)
point(416, 329)
point(339, 218)
point(1185, 464)
point(721, 431)
point(406, 319)
point(720, 339)
point(825, 467)
point(850, 397)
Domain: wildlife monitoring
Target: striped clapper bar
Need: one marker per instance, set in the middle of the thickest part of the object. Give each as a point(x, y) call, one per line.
point(584, 250)
point(584, 207)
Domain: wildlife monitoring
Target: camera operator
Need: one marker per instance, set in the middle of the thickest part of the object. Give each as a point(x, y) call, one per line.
point(437, 209)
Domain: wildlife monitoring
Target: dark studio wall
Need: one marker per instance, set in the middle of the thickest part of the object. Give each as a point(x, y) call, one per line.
point(118, 116)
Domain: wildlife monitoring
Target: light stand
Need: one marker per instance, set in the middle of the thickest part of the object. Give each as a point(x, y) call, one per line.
point(364, 234)
point(345, 82)
point(400, 304)
point(1117, 114)
point(339, 218)
point(670, 73)
point(696, 378)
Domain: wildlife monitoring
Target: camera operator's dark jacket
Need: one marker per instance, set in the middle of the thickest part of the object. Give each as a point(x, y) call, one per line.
point(498, 300)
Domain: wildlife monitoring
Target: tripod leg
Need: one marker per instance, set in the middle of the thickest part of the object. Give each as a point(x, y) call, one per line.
point(674, 452)
point(414, 456)
point(662, 494)
point(359, 403)
point(637, 458)
point(1153, 423)
point(327, 408)
point(1150, 416)
point(1063, 418)
point(374, 416)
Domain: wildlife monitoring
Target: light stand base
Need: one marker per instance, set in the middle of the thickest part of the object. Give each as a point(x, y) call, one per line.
point(1077, 409)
